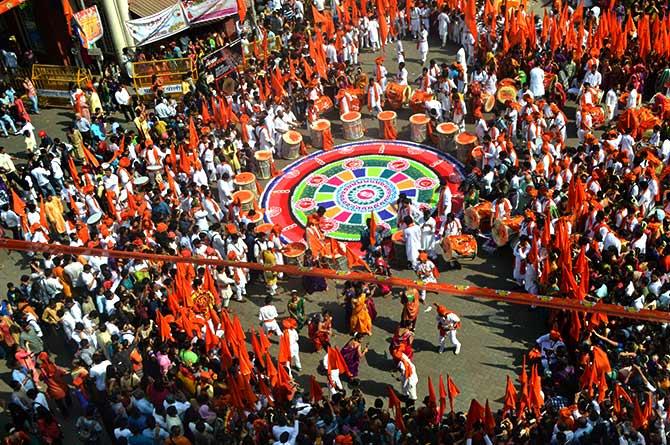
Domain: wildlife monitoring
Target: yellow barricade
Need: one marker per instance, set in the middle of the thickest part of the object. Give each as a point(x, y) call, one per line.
point(53, 83)
point(168, 72)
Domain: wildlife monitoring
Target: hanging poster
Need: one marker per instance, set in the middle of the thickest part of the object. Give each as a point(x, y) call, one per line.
point(199, 11)
point(90, 25)
point(158, 26)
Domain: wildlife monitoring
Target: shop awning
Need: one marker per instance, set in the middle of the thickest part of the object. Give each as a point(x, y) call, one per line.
point(6, 5)
point(144, 8)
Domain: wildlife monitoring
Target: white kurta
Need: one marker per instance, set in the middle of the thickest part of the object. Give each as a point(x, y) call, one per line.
point(412, 236)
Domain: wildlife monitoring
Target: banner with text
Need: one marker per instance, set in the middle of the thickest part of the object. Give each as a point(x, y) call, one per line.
point(200, 11)
point(158, 26)
point(90, 25)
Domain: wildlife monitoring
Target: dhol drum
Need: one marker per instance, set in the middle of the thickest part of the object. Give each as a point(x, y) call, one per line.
point(323, 104)
point(397, 95)
point(419, 127)
point(352, 125)
point(256, 218)
point(294, 254)
point(445, 133)
point(489, 102)
point(478, 217)
point(506, 91)
point(265, 228)
point(504, 229)
point(386, 116)
point(292, 141)
point(264, 161)
point(245, 198)
point(459, 246)
point(399, 251)
point(418, 101)
point(465, 142)
point(246, 181)
point(316, 132)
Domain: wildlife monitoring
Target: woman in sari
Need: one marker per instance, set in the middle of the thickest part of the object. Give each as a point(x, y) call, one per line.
point(313, 284)
point(403, 336)
point(296, 308)
point(320, 330)
point(352, 352)
point(360, 321)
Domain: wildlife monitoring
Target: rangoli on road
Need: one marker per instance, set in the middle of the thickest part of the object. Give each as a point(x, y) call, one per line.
point(353, 180)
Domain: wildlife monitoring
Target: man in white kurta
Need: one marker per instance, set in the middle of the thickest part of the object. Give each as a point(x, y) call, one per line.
point(412, 236)
point(268, 317)
point(537, 82)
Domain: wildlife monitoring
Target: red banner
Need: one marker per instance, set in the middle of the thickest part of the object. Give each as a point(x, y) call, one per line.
point(440, 288)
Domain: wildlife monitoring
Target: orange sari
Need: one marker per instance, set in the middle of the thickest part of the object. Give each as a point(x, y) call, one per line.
point(360, 320)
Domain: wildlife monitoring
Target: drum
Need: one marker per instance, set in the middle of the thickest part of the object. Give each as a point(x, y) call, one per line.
point(264, 161)
point(323, 104)
point(316, 132)
point(465, 142)
point(489, 102)
point(264, 228)
point(352, 125)
point(386, 116)
point(418, 101)
point(399, 251)
point(397, 95)
point(294, 254)
point(505, 93)
point(256, 218)
point(94, 219)
point(245, 198)
point(504, 229)
point(459, 246)
point(419, 127)
point(337, 262)
point(478, 217)
point(445, 133)
point(246, 181)
point(292, 141)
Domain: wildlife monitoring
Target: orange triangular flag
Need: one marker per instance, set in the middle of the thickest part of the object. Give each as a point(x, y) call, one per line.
point(315, 391)
point(354, 260)
point(204, 112)
point(193, 139)
point(90, 158)
point(373, 228)
point(284, 349)
point(43, 215)
point(452, 392)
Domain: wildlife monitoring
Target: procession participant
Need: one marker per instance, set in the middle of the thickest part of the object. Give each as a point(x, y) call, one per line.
point(412, 238)
point(268, 315)
point(375, 96)
point(447, 324)
point(427, 272)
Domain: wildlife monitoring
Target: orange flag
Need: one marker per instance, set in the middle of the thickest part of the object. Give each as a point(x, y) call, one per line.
point(90, 158)
point(639, 420)
point(354, 260)
point(452, 392)
point(535, 397)
point(264, 342)
point(193, 139)
point(43, 215)
point(510, 397)
point(68, 13)
point(204, 112)
point(284, 349)
point(475, 414)
point(383, 25)
point(270, 369)
point(211, 340)
point(432, 397)
point(489, 421)
point(394, 401)
point(242, 9)
point(373, 228)
point(443, 399)
point(73, 172)
point(470, 20)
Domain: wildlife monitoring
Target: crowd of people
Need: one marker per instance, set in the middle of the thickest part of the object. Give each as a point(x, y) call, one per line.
point(160, 358)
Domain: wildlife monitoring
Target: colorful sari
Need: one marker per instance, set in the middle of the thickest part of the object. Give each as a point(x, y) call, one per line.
point(297, 310)
point(352, 356)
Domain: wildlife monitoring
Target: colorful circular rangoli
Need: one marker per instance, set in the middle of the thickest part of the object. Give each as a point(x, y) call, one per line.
point(354, 181)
